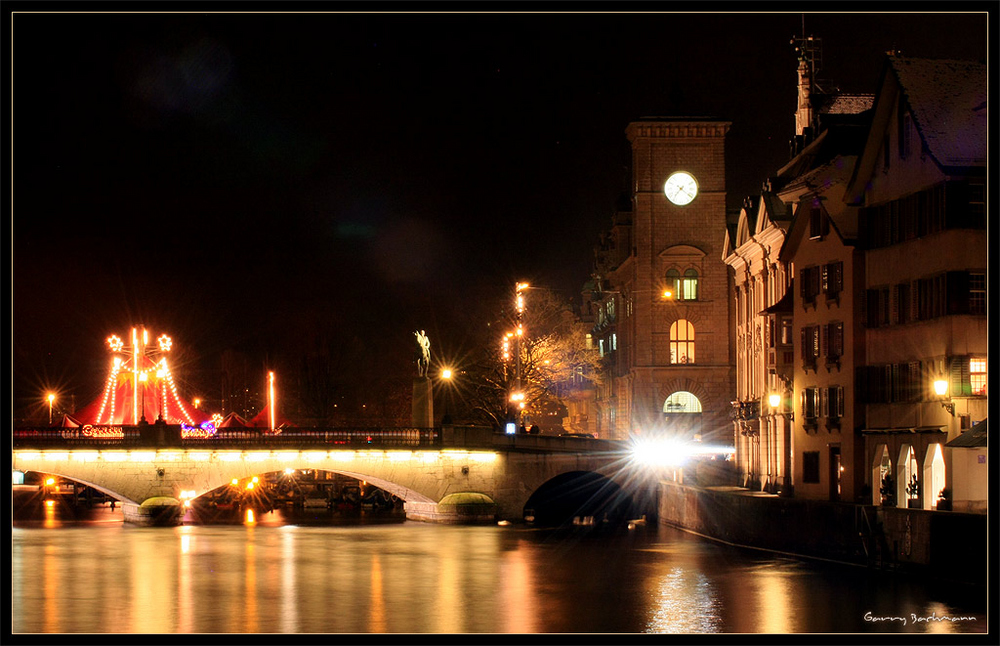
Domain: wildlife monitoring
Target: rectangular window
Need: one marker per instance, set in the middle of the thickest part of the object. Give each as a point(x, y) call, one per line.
point(832, 280)
point(903, 303)
point(815, 223)
point(810, 277)
point(835, 340)
point(877, 307)
point(835, 402)
point(810, 345)
point(977, 293)
point(810, 466)
point(977, 205)
point(931, 297)
point(786, 331)
point(977, 376)
point(810, 403)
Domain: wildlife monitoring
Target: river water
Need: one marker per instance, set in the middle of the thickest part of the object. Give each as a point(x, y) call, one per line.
point(371, 573)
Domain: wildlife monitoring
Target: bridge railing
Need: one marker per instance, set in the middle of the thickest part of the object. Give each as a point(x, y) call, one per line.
point(162, 436)
point(156, 436)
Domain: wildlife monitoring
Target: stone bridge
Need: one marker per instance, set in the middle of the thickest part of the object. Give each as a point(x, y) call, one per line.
point(154, 469)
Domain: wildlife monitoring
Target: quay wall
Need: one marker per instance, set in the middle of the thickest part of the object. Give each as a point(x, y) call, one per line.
point(951, 545)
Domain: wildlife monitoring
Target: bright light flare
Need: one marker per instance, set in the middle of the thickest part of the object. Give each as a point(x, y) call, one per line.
point(659, 453)
point(940, 387)
point(446, 373)
point(672, 453)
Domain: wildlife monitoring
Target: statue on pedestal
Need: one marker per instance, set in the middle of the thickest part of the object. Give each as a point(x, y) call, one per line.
point(424, 360)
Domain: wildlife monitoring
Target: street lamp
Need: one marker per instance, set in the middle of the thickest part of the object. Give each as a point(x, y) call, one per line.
point(51, 397)
point(941, 390)
point(775, 400)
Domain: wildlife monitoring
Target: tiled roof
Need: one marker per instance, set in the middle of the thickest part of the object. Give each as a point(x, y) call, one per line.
point(948, 100)
point(848, 103)
point(972, 438)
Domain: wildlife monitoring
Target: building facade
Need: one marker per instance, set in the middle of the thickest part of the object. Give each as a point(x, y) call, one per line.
point(661, 298)
point(769, 422)
point(763, 346)
point(920, 188)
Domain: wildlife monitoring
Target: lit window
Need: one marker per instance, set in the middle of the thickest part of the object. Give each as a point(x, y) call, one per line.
point(689, 290)
point(682, 342)
point(977, 375)
point(682, 402)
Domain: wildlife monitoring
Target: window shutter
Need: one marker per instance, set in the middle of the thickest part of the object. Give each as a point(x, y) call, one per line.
point(824, 403)
point(957, 292)
point(824, 341)
point(961, 381)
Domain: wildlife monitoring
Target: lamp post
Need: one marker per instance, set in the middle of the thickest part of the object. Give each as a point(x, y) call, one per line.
point(142, 378)
point(446, 375)
point(51, 397)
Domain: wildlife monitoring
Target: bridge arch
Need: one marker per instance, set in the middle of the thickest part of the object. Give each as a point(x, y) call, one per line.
point(506, 473)
point(578, 495)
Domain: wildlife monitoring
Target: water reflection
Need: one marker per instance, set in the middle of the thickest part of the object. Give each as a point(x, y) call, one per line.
point(405, 577)
point(684, 602)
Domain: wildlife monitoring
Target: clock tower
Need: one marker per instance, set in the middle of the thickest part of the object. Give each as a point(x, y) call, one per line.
point(665, 298)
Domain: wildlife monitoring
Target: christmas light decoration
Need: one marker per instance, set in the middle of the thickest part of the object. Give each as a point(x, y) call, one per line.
point(142, 368)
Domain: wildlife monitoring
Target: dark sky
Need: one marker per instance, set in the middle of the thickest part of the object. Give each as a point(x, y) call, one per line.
point(236, 179)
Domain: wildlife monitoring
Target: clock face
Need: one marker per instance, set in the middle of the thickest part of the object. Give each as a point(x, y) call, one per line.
point(681, 188)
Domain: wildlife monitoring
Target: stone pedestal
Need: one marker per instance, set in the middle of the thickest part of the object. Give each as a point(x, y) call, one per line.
point(423, 403)
point(159, 510)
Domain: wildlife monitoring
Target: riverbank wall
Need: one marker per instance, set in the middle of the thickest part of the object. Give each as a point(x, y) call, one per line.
point(948, 545)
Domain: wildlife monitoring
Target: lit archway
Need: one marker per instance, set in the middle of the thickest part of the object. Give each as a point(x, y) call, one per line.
point(882, 489)
point(934, 475)
point(908, 481)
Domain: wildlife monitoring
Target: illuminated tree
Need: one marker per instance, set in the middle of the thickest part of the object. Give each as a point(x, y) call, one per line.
point(556, 358)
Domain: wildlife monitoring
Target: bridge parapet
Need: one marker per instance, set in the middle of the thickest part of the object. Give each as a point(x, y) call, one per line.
point(162, 436)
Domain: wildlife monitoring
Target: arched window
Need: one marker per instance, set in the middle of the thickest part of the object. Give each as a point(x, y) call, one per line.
point(682, 402)
point(682, 342)
point(689, 286)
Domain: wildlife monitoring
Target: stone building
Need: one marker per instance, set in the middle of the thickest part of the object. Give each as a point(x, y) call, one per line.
point(830, 128)
point(661, 297)
point(870, 302)
point(920, 187)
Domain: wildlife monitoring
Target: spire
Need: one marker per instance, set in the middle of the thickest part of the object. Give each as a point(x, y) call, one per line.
point(810, 55)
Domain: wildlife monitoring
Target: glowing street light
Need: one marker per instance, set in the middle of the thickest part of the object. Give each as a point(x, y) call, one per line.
point(51, 397)
point(774, 399)
point(941, 390)
point(446, 373)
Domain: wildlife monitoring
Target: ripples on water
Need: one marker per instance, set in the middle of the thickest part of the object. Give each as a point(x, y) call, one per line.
point(373, 574)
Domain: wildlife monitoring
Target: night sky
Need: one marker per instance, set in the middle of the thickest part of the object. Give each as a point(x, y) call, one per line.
point(257, 181)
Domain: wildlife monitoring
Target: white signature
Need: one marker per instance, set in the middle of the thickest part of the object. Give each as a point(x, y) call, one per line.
point(916, 619)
